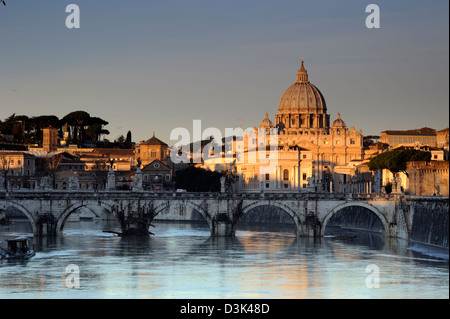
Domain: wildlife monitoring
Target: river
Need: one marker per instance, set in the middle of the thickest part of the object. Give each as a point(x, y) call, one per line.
point(181, 261)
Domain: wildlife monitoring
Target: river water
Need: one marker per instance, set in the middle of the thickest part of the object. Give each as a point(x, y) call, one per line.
point(181, 261)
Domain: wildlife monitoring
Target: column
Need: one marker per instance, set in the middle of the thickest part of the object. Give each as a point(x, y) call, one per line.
point(320, 166)
point(295, 177)
point(278, 177)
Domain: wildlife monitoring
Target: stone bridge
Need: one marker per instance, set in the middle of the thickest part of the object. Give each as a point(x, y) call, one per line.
point(49, 210)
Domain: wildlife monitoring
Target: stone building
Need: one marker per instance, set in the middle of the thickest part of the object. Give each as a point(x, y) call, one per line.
point(16, 167)
point(310, 151)
point(157, 176)
point(424, 136)
point(50, 139)
point(150, 150)
point(442, 139)
point(427, 179)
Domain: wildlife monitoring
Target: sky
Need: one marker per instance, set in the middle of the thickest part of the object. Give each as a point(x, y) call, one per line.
point(152, 66)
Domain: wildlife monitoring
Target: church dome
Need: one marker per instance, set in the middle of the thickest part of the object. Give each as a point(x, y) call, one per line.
point(338, 122)
point(302, 96)
point(266, 123)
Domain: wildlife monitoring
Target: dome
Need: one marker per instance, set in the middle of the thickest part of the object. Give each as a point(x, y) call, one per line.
point(338, 122)
point(302, 96)
point(266, 123)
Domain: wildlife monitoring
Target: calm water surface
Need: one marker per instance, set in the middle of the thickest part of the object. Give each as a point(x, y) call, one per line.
point(182, 261)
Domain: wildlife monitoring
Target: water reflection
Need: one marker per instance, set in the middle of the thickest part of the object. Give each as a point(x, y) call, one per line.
point(183, 261)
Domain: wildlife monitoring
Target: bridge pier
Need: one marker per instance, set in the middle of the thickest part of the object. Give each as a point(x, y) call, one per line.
point(222, 226)
point(311, 228)
point(46, 226)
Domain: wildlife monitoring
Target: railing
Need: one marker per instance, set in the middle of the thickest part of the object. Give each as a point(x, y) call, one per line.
point(168, 195)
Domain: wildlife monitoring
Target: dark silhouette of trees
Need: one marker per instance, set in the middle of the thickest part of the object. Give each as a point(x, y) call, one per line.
point(29, 130)
point(83, 126)
point(76, 121)
point(128, 141)
point(196, 179)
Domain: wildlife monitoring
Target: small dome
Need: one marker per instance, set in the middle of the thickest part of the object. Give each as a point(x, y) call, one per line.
point(338, 122)
point(266, 123)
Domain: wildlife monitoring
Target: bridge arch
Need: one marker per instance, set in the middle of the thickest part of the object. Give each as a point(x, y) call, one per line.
point(259, 204)
point(159, 207)
point(96, 209)
point(369, 207)
point(7, 204)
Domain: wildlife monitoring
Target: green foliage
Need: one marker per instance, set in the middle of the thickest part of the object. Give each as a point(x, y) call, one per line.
point(395, 161)
point(194, 179)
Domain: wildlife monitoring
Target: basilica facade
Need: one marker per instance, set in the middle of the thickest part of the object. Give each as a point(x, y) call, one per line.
point(312, 155)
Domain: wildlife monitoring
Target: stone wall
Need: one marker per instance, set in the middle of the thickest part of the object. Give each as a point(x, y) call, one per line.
point(430, 223)
point(429, 178)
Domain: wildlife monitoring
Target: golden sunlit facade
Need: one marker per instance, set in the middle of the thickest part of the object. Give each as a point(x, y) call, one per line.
point(311, 152)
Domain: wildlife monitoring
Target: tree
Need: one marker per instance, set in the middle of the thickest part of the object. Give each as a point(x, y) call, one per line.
point(128, 141)
point(195, 179)
point(120, 139)
point(38, 123)
point(77, 120)
point(395, 161)
point(84, 126)
point(95, 128)
point(52, 165)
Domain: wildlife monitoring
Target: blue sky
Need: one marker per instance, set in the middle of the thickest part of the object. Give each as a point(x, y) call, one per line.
point(151, 66)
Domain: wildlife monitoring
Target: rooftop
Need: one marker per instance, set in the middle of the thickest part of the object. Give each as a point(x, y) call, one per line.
point(420, 131)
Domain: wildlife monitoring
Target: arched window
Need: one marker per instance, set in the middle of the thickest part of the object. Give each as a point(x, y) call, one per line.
point(286, 175)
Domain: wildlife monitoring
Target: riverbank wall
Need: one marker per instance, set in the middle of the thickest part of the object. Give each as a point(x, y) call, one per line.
point(430, 223)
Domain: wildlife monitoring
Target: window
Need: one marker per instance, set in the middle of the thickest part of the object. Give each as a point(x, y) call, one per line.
point(286, 175)
point(304, 156)
point(153, 153)
point(304, 176)
point(352, 141)
point(304, 185)
point(167, 177)
point(267, 185)
point(267, 177)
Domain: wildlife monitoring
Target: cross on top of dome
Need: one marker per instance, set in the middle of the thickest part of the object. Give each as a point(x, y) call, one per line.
point(302, 75)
